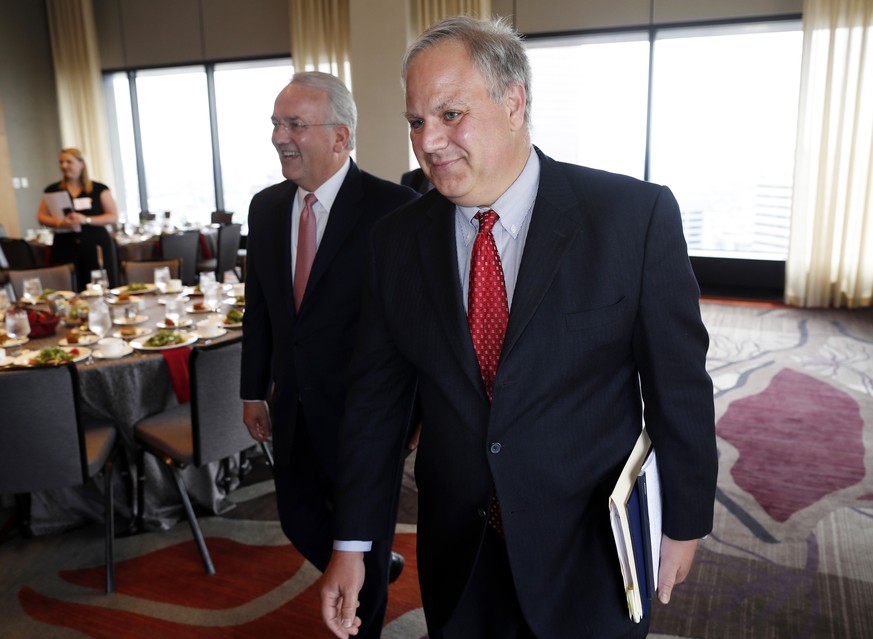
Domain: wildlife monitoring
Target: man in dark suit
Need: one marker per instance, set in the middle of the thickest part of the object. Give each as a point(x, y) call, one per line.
point(302, 313)
point(517, 456)
point(416, 180)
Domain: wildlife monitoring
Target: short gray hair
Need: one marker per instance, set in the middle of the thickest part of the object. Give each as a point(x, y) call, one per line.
point(494, 47)
point(339, 99)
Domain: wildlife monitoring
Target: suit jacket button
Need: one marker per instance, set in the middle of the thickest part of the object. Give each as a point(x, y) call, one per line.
point(481, 512)
point(495, 447)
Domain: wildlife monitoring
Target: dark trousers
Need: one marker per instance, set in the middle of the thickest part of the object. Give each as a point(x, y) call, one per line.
point(305, 507)
point(489, 607)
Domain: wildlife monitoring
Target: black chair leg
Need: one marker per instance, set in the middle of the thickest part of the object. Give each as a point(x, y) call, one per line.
point(192, 521)
point(109, 532)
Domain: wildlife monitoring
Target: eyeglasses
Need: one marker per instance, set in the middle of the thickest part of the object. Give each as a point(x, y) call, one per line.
point(296, 126)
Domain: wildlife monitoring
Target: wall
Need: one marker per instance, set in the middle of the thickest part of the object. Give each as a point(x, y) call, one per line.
point(27, 90)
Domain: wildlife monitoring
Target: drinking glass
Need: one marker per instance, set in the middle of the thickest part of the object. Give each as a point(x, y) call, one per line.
point(100, 278)
point(162, 278)
point(17, 324)
point(4, 300)
point(99, 319)
point(174, 311)
point(206, 278)
point(32, 289)
point(212, 296)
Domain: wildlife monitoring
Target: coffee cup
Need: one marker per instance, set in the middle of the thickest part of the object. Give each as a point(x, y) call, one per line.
point(111, 346)
point(174, 286)
point(209, 327)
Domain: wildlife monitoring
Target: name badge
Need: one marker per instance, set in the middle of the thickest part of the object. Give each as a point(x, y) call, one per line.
point(82, 204)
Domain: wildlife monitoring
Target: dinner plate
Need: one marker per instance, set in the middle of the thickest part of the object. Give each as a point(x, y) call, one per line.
point(67, 295)
point(98, 354)
point(84, 340)
point(164, 300)
point(232, 324)
point(190, 338)
point(149, 288)
point(198, 311)
point(140, 332)
point(232, 301)
point(130, 321)
point(13, 342)
point(24, 358)
point(218, 334)
point(182, 324)
point(133, 299)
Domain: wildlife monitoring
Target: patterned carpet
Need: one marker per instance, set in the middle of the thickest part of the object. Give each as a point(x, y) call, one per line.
point(791, 554)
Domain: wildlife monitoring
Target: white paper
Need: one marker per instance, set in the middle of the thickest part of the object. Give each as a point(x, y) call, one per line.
point(57, 202)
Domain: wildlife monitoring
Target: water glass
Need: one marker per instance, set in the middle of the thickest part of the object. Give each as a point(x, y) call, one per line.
point(100, 280)
point(212, 295)
point(206, 278)
point(162, 278)
point(32, 289)
point(99, 319)
point(174, 311)
point(4, 300)
point(17, 324)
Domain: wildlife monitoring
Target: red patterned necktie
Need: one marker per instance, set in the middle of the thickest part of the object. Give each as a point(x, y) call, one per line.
point(487, 315)
point(487, 310)
point(306, 241)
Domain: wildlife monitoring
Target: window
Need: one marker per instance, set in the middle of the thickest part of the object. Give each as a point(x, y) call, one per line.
point(589, 100)
point(721, 103)
point(163, 135)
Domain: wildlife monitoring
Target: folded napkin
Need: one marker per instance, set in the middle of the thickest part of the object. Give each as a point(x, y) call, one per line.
point(177, 364)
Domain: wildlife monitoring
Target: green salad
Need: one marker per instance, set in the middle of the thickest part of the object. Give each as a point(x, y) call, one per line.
point(53, 355)
point(164, 338)
point(136, 286)
point(234, 316)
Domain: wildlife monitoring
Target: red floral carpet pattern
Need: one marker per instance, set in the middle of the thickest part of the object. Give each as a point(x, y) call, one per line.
point(175, 576)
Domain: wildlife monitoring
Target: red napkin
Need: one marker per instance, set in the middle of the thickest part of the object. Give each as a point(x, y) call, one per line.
point(177, 364)
point(204, 247)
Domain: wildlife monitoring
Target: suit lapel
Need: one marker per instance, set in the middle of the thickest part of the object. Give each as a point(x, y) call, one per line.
point(344, 215)
point(282, 242)
point(436, 242)
point(554, 224)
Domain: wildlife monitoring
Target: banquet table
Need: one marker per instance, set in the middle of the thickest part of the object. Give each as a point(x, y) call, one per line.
point(125, 390)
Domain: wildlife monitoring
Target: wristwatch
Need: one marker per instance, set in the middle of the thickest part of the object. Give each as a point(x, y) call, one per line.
point(87, 220)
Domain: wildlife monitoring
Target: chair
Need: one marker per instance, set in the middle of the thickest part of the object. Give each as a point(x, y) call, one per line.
point(60, 278)
point(144, 272)
point(183, 246)
point(225, 260)
point(18, 253)
point(207, 429)
point(145, 216)
point(93, 238)
point(222, 217)
point(47, 444)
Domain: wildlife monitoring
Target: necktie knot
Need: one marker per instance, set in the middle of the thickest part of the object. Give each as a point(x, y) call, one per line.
point(487, 220)
point(310, 200)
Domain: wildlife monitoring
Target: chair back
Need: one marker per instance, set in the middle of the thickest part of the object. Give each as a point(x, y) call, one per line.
point(184, 247)
point(216, 409)
point(146, 216)
point(228, 244)
point(144, 272)
point(90, 239)
point(41, 444)
point(222, 217)
point(60, 278)
point(18, 253)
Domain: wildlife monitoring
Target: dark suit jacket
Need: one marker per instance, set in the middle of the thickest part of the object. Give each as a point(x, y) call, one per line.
point(306, 355)
point(605, 316)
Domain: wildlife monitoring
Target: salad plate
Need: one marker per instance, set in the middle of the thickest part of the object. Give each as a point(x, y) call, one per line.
point(130, 321)
point(84, 340)
point(138, 331)
point(182, 323)
point(138, 289)
point(44, 357)
point(186, 339)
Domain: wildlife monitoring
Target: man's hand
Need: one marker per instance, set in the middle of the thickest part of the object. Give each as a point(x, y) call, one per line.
point(340, 585)
point(676, 560)
point(256, 417)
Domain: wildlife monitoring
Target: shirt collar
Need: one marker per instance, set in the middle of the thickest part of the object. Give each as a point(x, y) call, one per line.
point(327, 192)
point(516, 202)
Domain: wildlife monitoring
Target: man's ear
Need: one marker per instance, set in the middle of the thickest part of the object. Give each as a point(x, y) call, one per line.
point(515, 100)
point(342, 134)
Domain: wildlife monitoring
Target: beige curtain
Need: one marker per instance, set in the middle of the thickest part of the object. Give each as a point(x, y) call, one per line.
point(830, 254)
point(429, 12)
point(79, 84)
point(320, 37)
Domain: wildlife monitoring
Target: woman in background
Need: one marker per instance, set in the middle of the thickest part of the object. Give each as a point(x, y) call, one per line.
point(82, 228)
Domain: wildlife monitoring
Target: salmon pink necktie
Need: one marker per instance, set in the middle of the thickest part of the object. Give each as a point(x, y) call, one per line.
point(306, 241)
